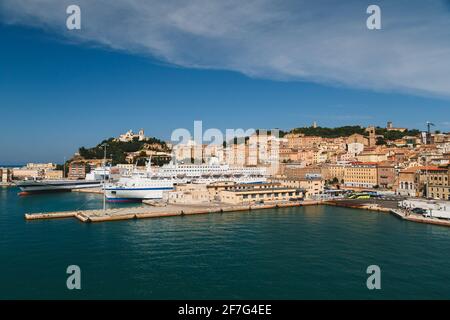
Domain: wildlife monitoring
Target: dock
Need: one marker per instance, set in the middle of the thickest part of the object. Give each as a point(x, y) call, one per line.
point(151, 211)
point(89, 190)
point(405, 215)
point(366, 206)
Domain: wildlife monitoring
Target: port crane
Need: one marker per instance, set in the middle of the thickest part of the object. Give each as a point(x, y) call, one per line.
point(429, 125)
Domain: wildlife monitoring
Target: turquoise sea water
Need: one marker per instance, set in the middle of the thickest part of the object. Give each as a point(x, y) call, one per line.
point(297, 253)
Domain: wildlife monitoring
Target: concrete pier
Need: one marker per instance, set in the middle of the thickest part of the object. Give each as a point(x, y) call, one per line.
point(148, 212)
point(170, 210)
point(89, 190)
point(367, 206)
point(404, 215)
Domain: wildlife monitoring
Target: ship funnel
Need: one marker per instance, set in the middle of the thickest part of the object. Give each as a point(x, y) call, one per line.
point(149, 165)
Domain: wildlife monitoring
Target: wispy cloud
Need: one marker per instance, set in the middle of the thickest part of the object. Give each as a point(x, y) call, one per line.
point(324, 41)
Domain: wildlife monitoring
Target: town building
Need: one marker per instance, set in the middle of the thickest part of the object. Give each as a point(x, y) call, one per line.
point(334, 172)
point(188, 194)
point(42, 166)
point(412, 182)
point(26, 173)
point(357, 139)
point(438, 186)
point(257, 193)
point(390, 127)
point(313, 186)
point(299, 171)
point(361, 175)
point(231, 193)
point(369, 156)
point(299, 141)
point(53, 174)
point(189, 152)
point(408, 183)
point(77, 170)
point(386, 175)
point(5, 175)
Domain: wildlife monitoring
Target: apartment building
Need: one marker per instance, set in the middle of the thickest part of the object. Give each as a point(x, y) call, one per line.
point(361, 175)
point(438, 186)
point(372, 157)
point(77, 170)
point(334, 171)
point(299, 171)
point(386, 174)
point(298, 141)
point(412, 182)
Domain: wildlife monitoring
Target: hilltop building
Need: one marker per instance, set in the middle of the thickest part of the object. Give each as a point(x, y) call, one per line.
point(390, 127)
point(130, 136)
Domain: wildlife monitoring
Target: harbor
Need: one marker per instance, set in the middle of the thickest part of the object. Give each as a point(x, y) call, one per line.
point(208, 247)
point(226, 251)
point(158, 209)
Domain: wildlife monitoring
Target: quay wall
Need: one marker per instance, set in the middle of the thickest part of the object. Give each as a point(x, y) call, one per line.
point(148, 212)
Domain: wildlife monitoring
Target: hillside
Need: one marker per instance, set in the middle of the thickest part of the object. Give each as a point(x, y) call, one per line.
point(117, 150)
point(330, 132)
point(349, 130)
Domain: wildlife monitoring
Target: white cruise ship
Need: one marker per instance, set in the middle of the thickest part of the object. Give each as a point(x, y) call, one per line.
point(151, 184)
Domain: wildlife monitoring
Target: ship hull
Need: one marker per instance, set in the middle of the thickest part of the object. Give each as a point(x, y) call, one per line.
point(135, 194)
point(34, 187)
point(130, 194)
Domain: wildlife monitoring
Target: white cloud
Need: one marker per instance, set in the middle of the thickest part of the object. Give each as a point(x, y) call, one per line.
point(323, 41)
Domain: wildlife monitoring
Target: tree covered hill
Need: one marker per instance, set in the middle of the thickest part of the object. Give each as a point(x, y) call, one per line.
point(346, 131)
point(329, 132)
point(117, 150)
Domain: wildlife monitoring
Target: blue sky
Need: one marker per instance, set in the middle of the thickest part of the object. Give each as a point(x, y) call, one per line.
point(59, 92)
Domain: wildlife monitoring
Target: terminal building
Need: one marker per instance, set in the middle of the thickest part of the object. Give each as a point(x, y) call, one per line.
point(232, 193)
point(260, 193)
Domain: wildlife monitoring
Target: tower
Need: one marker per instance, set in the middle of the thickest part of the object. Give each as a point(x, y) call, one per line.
point(372, 136)
point(429, 125)
point(141, 135)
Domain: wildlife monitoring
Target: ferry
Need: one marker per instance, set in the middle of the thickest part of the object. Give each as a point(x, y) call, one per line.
point(150, 185)
point(94, 179)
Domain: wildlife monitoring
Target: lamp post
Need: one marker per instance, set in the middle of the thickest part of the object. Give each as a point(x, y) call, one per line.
point(103, 176)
